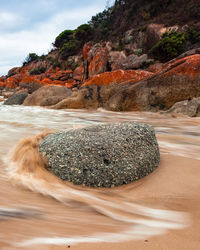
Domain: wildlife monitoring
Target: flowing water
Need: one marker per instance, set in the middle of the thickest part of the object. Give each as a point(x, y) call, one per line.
point(38, 209)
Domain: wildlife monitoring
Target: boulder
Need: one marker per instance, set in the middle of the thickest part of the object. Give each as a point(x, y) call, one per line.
point(7, 94)
point(47, 96)
point(30, 87)
point(16, 99)
point(178, 81)
point(104, 155)
point(116, 58)
point(188, 107)
point(119, 76)
point(134, 62)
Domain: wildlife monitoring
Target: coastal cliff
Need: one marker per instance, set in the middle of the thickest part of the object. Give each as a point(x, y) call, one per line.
point(135, 55)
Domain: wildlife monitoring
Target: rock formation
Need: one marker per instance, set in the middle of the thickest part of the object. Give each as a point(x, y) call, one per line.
point(104, 155)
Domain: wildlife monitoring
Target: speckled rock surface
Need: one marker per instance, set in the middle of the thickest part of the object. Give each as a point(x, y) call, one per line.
point(16, 99)
point(105, 155)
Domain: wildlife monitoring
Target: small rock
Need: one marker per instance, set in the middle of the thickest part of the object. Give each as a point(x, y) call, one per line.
point(187, 107)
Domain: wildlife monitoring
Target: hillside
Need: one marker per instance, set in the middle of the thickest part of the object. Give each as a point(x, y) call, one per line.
point(130, 42)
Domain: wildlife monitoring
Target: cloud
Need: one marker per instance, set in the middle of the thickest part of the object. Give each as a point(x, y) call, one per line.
point(17, 39)
point(9, 20)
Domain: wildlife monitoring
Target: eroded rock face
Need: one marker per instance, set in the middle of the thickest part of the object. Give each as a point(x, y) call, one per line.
point(104, 155)
point(47, 96)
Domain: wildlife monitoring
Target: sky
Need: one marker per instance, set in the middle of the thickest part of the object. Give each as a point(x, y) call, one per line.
point(31, 26)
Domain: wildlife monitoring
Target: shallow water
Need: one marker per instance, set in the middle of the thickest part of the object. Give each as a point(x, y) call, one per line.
point(37, 219)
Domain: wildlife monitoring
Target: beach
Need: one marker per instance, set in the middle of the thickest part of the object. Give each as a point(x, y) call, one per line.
point(160, 211)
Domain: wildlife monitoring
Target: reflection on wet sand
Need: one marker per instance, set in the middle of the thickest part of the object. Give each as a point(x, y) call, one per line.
point(164, 203)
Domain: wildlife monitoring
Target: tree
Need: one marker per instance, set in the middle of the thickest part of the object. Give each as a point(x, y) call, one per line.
point(30, 58)
point(63, 37)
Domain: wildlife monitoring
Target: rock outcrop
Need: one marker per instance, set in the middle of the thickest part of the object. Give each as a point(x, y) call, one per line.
point(104, 155)
point(47, 96)
point(178, 81)
point(188, 107)
point(16, 99)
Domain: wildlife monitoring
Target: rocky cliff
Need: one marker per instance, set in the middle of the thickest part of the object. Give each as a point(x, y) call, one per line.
point(143, 64)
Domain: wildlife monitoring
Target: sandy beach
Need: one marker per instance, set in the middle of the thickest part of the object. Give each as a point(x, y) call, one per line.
point(173, 186)
point(161, 211)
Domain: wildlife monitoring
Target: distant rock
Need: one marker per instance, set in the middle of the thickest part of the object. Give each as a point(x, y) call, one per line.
point(13, 71)
point(31, 86)
point(134, 61)
point(16, 99)
point(47, 96)
point(116, 58)
point(7, 94)
point(187, 107)
point(103, 155)
point(78, 73)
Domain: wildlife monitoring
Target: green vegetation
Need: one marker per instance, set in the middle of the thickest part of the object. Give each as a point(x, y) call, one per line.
point(30, 58)
point(63, 37)
point(171, 45)
point(69, 49)
point(193, 35)
point(54, 61)
point(174, 43)
point(112, 23)
point(38, 71)
point(69, 42)
point(83, 33)
point(102, 23)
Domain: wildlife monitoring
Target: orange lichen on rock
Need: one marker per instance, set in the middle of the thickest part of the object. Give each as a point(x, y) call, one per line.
point(70, 83)
point(57, 82)
point(188, 66)
point(86, 49)
point(78, 73)
point(119, 76)
point(61, 75)
point(30, 79)
point(98, 63)
point(156, 68)
point(12, 82)
point(46, 81)
point(2, 84)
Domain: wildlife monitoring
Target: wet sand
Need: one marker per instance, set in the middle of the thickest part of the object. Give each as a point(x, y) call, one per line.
point(173, 186)
point(161, 211)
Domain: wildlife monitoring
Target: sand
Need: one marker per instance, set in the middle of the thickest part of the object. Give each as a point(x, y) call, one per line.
point(173, 186)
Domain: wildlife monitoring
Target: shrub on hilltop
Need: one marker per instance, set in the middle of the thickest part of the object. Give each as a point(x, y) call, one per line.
point(171, 45)
point(30, 58)
point(69, 42)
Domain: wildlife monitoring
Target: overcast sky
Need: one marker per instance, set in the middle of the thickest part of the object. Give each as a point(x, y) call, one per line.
point(28, 26)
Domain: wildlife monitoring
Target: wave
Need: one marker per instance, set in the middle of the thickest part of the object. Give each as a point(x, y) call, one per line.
point(26, 167)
